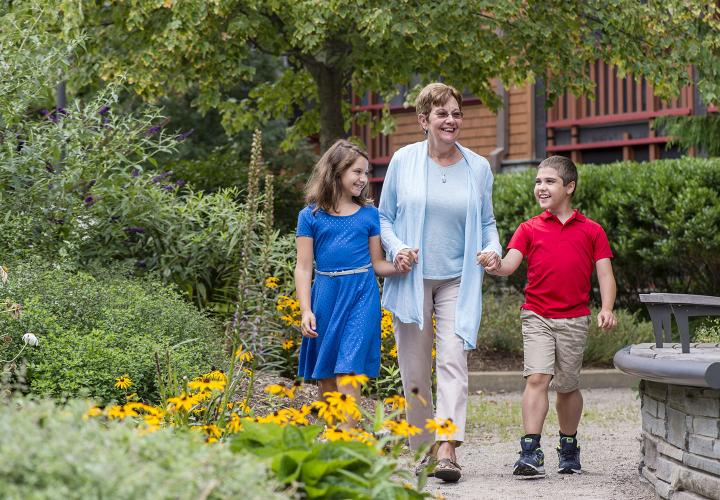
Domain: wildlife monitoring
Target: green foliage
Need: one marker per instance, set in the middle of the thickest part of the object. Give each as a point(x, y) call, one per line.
point(699, 132)
point(93, 329)
point(227, 166)
point(50, 452)
point(82, 184)
point(328, 48)
point(331, 469)
point(662, 219)
point(501, 330)
point(708, 332)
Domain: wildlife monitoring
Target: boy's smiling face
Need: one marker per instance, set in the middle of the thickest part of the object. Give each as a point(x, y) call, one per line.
point(550, 192)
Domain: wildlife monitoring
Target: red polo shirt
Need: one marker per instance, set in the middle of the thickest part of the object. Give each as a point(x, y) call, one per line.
point(561, 259)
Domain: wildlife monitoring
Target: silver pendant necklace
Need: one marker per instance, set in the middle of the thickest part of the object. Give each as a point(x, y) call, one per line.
point(443, 178)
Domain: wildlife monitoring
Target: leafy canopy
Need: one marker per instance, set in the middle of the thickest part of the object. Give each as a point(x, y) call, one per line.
point(330, 46)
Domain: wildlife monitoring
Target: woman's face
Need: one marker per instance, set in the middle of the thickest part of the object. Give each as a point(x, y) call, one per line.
point(443, 122)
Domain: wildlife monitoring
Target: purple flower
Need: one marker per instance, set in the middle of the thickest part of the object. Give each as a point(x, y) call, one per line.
point(169, 187)
point(56, 114)
point(160, 177)
point(103, 110)
point(135, 172)
point(134, 230)
point(185, 135)
point(142, 264)
point(89, 201)
point(153, 130)
point(180, 183)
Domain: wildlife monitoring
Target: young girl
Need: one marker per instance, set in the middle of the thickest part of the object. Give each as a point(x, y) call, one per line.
point(340, 231)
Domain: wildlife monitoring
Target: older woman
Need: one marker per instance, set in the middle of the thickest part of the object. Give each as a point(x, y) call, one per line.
point(436, 217)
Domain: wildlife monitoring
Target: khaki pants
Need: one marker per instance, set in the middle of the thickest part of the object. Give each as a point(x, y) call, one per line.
point(415, 359)
point(554, 347)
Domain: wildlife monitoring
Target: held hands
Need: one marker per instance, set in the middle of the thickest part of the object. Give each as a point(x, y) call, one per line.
point(308, 325)
point(405, 259)
point(606, 319)
point(490, 261)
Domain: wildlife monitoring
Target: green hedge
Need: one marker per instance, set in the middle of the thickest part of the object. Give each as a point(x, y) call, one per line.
point(662, 219)
point(50, 452)
point(93, 329)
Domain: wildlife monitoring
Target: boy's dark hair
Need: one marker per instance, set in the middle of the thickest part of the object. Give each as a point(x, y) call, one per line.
point(565, 168)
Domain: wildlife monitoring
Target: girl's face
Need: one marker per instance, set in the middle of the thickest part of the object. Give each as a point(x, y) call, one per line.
point(355, 178)
point(443, 122)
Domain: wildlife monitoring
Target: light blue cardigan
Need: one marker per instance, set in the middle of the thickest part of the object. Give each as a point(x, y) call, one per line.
point(402, 214)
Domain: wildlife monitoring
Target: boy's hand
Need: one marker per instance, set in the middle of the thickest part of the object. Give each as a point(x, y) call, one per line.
point(308, 325)
point(606, 319)
point(489, 260)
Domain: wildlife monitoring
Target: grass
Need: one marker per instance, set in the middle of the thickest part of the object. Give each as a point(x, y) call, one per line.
point(499, 417)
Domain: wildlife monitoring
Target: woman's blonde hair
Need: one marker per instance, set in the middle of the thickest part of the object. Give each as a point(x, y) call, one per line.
point(436, 94)
point(324, 188)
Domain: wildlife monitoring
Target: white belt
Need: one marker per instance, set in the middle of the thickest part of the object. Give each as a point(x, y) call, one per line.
point(363, 269)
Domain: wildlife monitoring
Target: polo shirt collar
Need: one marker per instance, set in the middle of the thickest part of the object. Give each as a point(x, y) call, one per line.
point(546, 215)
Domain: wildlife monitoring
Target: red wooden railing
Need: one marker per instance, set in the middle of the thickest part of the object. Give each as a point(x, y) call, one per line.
point(616, 101)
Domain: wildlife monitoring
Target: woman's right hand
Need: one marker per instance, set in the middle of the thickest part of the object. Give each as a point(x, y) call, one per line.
point(405, 259)
point(308, 325)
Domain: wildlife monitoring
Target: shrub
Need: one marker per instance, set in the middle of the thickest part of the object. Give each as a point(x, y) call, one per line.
point(501, 330)
point(93, 329)
point(84, 183)
point(662, 219)
point(50, 452)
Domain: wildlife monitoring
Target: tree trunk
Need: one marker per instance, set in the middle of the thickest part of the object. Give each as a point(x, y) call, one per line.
point(330, 83)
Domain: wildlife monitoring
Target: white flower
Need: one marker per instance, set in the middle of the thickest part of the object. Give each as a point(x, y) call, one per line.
point(30, 339)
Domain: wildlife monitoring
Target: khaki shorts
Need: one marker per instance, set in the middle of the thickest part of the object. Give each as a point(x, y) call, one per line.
point(554, 347)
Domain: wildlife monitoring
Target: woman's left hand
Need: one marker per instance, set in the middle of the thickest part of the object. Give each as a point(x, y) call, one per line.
point(489, 260)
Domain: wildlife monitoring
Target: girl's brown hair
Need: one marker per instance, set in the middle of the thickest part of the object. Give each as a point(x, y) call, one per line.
point(324, 188)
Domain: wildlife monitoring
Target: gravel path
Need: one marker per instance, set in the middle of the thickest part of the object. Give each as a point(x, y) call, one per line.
point(609, 437)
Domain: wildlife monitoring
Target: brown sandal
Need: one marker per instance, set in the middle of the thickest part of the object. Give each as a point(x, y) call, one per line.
point(447, 470)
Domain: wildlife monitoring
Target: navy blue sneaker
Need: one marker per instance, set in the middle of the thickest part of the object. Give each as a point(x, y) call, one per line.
point(568, 456)
point(531, 463)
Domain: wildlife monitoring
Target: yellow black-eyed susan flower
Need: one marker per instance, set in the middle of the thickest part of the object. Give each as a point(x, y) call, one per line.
point(183, 402)
point(353, 380)
point(443, 427)
point(344, 405)
point(396, 402)
point(123, 383)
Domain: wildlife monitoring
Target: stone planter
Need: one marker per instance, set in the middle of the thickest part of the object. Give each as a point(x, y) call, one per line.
point(680, 423)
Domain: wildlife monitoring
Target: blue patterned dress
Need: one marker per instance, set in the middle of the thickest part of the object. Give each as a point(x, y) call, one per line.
point(346, 308)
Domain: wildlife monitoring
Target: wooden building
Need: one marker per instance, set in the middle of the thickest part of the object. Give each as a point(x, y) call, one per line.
point(617, 124)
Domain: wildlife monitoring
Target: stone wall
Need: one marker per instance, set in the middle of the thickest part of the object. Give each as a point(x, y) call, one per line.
point(681, 440)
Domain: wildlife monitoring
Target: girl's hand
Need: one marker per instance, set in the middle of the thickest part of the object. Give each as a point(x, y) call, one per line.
point(307, 325)
point(405, 259)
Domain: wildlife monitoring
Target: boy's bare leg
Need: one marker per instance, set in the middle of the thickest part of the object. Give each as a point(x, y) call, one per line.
point(535, 402)
point(348, 389)
point(569, 406)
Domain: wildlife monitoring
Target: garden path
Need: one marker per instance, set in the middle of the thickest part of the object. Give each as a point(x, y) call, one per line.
point(609, 437)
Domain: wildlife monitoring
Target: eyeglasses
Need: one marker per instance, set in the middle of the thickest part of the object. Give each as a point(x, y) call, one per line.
point(442, 114)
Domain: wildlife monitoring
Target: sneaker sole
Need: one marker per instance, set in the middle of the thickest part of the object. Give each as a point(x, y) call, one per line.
point(528, 472)
point(449, 476)
point(569, 471)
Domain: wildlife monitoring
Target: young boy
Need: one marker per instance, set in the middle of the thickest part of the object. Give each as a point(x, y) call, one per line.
point(561, 246)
